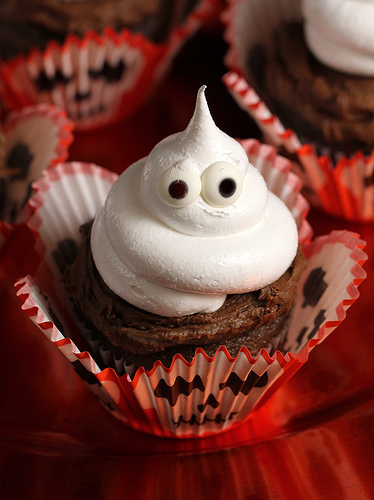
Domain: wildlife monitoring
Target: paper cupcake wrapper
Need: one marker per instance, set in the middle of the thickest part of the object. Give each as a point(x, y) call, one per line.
point(34, 138)
point(98, 79)
point(341, 186)
point(207, 395)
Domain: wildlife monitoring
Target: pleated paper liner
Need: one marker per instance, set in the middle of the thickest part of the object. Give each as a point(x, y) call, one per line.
point(33, 139)
point(207, 395)
point(98, 79)
point(342, 186)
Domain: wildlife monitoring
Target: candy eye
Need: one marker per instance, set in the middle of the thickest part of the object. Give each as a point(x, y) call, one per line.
point(178, 188)
point(222, 184)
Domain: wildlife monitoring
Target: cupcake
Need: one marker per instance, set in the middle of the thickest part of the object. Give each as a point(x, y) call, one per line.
point(190, 263)
point(310, 66)
point(185, 278)
point(98, 60)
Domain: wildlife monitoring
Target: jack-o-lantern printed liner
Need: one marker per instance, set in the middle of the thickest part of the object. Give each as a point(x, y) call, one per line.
point(31, 140)
point(98, 79)
point(207, 395)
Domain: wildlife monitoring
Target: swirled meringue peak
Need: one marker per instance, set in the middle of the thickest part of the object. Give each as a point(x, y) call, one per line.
point(191, 223)
point(340, 34)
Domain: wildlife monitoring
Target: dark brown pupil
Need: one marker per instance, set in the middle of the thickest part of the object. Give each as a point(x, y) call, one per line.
point(178, 189)
point(227, 187)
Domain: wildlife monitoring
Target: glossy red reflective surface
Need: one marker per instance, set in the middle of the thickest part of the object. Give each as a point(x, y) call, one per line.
point(313, 439)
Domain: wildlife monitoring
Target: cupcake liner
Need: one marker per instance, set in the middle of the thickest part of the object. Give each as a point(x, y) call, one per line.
point(339, 185)
point(206, 395)
point(98, 79)
point(34, 138)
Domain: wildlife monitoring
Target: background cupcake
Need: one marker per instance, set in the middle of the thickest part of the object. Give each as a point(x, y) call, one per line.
point(97, 61)
point(307, 100)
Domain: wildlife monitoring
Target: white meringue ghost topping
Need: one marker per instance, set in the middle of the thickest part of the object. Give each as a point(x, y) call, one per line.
point(191, 223)
point(340, 34)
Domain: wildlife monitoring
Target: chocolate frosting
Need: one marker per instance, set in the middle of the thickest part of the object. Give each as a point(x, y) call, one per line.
point(313, 99)
point(254, 317)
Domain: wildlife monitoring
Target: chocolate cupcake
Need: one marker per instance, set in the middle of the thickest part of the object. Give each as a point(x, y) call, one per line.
point(190, 250)
point(307, 66)
point(186, 232)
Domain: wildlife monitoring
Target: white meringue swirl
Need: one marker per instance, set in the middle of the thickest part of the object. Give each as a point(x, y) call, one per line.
point(340, 34)
point(175, 243)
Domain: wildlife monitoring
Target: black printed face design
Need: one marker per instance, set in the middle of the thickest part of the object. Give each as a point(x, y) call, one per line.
point(181, 387)
point(18, 161)
point(87, 93)
point(84, 100)
point(313, 289)
point(369, 180)
point(109, 73)
point(16, 168)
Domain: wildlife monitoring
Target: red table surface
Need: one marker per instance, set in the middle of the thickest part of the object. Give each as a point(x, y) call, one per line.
point(313, 439)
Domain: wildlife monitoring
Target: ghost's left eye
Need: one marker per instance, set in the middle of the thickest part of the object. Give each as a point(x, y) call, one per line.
point(179, 188)
point(222, 184)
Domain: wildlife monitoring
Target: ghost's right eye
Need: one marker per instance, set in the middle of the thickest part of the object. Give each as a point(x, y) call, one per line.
point(222, 184)
point(179, 188)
